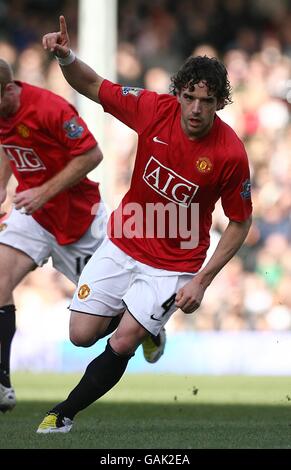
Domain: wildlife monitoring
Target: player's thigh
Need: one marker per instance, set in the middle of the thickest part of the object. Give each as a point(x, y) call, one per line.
point(14, 265)
point(71, 259)
point(85, 328)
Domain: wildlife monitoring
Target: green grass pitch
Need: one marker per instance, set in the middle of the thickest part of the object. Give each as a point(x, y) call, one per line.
point(156, 412)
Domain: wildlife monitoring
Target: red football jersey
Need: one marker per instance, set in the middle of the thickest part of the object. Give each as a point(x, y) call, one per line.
point(40, 139)
point(185, 177)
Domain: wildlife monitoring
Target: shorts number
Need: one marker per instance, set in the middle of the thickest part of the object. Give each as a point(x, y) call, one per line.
point(81, 263)
point(168, 304)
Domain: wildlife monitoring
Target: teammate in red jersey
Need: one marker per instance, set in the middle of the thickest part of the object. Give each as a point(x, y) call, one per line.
point(150, 264)
point(49, 149)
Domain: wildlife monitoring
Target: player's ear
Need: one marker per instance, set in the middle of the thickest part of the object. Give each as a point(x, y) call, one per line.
point(220, 105)
point(7, 87)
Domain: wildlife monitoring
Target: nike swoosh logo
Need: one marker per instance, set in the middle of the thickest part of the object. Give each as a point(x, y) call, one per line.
point(153, 318)
point(156, 139)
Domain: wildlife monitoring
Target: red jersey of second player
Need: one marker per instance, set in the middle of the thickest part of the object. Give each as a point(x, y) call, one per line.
point(185, 177)
point(40, 139)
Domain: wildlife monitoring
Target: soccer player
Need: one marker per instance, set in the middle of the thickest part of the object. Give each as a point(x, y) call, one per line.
point(187, 158)
point(49, 149)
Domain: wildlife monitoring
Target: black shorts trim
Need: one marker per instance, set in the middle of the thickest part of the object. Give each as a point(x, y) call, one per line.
point(92, 314)
point(136, 318)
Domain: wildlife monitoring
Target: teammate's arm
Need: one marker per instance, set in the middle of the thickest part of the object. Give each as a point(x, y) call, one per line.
point(5, 173)
point(78, 74)
point(189, 297)
point(34, 198)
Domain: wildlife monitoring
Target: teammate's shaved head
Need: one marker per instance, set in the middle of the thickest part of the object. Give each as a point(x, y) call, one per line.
point(6, 73)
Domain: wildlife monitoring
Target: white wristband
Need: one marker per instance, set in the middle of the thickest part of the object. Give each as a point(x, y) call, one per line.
point(66, 60)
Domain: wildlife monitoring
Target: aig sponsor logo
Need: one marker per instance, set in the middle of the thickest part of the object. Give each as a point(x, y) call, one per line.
point(169, 184)
point(25, 159)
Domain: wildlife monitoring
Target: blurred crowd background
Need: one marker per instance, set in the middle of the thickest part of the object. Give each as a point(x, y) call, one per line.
point(253, 38)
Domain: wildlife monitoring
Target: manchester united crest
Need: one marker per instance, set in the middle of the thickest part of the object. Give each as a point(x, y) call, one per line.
point(23, 130)
point(204, 165)
point(83, 292)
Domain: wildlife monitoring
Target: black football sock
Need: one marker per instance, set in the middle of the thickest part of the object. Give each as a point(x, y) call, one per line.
point(112, 326)
point(7, 330)
point(100, 376)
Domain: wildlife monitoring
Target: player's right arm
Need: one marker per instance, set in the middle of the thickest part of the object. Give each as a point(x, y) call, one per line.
point(78, 74)
point(5, 173)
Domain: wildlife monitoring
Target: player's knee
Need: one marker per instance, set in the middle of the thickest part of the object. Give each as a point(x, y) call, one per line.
point(124, 344)
point(82, 340)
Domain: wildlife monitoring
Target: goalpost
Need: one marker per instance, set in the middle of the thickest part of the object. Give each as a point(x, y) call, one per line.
point(97, 39)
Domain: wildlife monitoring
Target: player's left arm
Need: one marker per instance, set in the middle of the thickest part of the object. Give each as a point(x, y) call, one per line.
point(189, 297)
point(77, 168)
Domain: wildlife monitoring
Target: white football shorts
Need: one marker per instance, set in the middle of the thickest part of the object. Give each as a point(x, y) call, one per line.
point(113, 282)
point(25, 234)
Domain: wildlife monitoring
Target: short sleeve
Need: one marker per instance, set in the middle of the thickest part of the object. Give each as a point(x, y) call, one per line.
point(66, 126)
point(134, 107)
point(236, 190)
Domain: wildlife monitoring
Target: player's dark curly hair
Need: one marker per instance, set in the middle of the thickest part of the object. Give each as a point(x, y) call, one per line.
point(209, 70)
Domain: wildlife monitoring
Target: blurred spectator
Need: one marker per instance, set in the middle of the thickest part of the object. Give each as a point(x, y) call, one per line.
point(257, 301)
point(205, 49)
point(157, 79)
point(8, 52)
point(30, 67)
point(56, 83)
point(128, 65)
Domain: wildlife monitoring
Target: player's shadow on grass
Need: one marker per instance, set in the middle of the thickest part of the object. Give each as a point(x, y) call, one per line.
point(122, 425)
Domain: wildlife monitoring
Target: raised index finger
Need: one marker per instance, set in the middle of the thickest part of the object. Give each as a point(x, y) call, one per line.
point(63, 26)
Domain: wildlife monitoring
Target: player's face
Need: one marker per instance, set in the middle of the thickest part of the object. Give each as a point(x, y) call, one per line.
point(198, 109)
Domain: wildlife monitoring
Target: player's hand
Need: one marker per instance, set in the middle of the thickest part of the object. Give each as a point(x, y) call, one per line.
point(190, 296)
point(3, 195)
point(58, 42)
point(30, 200)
